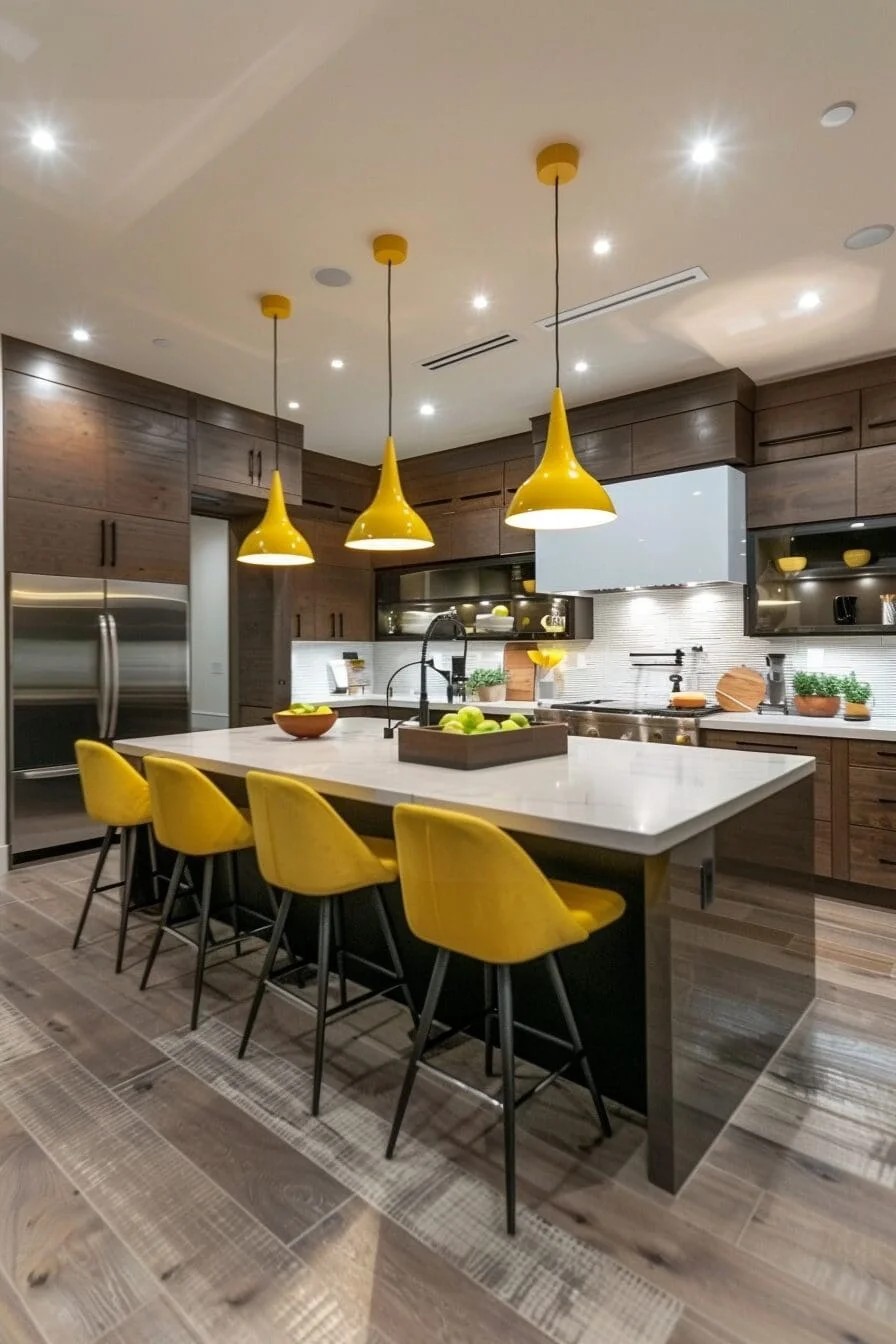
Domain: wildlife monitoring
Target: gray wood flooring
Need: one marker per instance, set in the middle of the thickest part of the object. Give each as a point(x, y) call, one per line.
point(154, 1190)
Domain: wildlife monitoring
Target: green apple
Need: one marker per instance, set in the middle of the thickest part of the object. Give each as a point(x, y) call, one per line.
point(322, 709)
point(500, 610)
point(487, 726)
point(451, 721)
point(508, 726)
point(469, 716)
point(519, 719)
point(450, 717)
point(454, 728)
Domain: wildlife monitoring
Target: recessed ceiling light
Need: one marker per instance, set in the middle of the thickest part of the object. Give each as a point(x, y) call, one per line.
point(809, 300)
point(838, 114)
point(870, 236)
point(602, 246)
point(293, 405)
point(337, 363)
point(427, 408)
point(80, 334)
point(480, 301)
point(580, 366)
point(334, 277)
point(704, 151)
point(161, 341)
point(43, 140)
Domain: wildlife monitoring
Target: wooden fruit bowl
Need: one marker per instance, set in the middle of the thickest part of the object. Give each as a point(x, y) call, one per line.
point(306, 725)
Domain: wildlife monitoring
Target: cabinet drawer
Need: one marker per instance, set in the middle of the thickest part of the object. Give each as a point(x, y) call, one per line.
point(872, 856)
point(808, 490)
point(872, 797)
point(879, 415)
point(881, 754)
point(876, 480)
point(807, 428)
point(819, 747)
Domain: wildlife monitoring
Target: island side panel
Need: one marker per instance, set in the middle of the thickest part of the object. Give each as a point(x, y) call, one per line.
point(730, 971)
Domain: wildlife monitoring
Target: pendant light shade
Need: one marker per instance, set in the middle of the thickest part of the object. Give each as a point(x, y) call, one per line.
point(275, 541)
point(389, 523)
point(560, 493)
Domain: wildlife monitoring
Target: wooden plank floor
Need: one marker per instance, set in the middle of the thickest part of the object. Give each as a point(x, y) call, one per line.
point(154, 1190)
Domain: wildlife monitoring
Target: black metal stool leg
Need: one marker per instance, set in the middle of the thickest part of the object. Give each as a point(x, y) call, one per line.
point(233, 895)
point(94, 882)
point(490, 1011)
point(276, 937)
point(208, 871)
point(339, 940)
point(431, 1003)
point(129, 844)
point(325, 926)
point(572, 1027)
point(382, 911)
point(505, 1030)
point(153, 861)
point(177, 873)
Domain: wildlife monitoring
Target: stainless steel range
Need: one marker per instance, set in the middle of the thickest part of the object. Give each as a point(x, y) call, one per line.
point(630, 723)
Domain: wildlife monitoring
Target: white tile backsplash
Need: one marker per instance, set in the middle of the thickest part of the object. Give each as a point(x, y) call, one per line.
point(629, 623)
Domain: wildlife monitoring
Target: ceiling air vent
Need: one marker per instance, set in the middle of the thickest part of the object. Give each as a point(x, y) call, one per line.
point(668, 284)
point(468, 352)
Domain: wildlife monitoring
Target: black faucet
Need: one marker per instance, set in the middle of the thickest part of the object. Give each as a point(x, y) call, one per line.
point(451, 618)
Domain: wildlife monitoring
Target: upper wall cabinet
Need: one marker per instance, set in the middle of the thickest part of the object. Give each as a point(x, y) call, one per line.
point(808, 428)
point(692, 438)
point(879, 415)
point(810, 490)
point(234, 452)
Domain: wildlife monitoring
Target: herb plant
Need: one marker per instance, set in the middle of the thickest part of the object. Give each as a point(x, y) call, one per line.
point(855, 692)
point(487, 676)
point(817, 683)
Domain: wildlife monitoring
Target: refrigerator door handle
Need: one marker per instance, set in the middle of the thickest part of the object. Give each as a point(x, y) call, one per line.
point(48, 772)
point(104, 705)
point(115, 680)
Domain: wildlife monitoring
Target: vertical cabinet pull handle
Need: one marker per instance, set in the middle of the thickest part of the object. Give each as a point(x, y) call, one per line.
point(332, 625)
point(102, 542)
point(251, 467)
point(113, 528)
point(341, 625)
point(298, 625)
point(260, 461)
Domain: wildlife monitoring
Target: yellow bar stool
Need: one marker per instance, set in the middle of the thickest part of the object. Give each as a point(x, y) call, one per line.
point(305, 848)
point(192, 816)
point(471, 890)
point(117, 796)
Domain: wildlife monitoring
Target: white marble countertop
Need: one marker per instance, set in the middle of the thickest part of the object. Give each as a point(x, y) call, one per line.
point(795, 725)
point(637, 797)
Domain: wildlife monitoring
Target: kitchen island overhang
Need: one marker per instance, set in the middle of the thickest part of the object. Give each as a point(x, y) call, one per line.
point(682, 1004)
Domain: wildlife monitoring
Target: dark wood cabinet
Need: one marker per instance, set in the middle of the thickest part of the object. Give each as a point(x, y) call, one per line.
point(151, 549)
point(290, 467)
point(234, 451)
point(226, 457)
point(696, 438)
point(146, 463)
point(44, 538)
point(876, 481)
point(55, 439)
point(333, 598)
point(474, 533)
point(802, 491)
point(807, 428)
point(879, 415)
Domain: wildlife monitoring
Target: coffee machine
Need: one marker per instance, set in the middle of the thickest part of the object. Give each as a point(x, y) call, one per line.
point(775, 685)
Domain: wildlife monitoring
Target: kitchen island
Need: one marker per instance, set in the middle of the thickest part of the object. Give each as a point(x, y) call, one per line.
point(685, 999)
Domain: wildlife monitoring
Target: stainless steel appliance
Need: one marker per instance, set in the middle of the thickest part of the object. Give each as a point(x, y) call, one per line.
point(89, 658)
point(775, 683)
point(630, 723)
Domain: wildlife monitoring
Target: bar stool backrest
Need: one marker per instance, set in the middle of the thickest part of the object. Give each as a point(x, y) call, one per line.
point(469, 888)
point(302, 843)
point(190, 814)
point(115, 794)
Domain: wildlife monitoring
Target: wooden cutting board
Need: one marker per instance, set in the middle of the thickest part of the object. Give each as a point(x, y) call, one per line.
point(740, 690)
point(520, 669)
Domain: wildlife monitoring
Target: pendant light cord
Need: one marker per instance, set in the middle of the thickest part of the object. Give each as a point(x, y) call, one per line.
point(389, 336)
point(556, 281)
point(276, 402)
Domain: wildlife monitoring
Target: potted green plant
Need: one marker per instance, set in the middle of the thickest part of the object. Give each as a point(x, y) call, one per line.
point(856, 695)
point(816, 694)
point(487, 683)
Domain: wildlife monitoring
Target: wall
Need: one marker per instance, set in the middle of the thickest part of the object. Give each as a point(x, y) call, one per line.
point(628, 623)
point(209, 622)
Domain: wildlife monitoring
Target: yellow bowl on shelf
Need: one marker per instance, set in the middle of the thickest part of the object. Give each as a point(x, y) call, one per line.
point(528, 585)
point(791, 564)
point(856, 558)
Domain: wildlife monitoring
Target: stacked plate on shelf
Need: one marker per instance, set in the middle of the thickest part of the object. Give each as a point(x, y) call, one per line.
point(487, 624)
point(414, 622)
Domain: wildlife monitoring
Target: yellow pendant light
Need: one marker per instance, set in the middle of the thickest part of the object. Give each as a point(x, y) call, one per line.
point(275, 541)
point(560, 493)
point(389, 523)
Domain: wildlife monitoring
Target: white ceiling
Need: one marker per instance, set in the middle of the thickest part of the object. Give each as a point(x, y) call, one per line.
point(214, 149)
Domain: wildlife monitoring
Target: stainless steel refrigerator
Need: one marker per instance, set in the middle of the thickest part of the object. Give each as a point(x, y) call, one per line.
point(89, 658)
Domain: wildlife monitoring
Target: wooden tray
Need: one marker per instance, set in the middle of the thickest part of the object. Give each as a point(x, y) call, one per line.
point(477, 751)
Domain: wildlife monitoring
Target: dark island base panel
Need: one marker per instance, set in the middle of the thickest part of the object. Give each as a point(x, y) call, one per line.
point(683, 1049)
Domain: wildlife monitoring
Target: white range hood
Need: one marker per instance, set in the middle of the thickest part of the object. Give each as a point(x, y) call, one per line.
point(688, 527)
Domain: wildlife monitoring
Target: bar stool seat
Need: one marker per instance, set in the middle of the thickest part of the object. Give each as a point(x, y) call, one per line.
point(193, 817)
point(469, 889)
point(306, 849)
point(117, 797)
